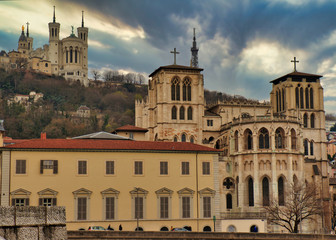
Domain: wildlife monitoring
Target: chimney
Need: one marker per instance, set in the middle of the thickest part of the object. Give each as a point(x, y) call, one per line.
point(43, 135)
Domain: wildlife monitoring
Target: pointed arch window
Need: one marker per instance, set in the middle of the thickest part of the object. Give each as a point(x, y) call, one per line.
point(175, 139)
point(71, 52)
point(265, 191)
point(312, 120)
point(174, 112)
point(189, 113)
point(228, 201)
point(279, 138)
point(263, 139)
point(305, 145)
point(293, 139)
point(183, 138)
point(311, 148)
point(283, 99)
point(307, 97)
point(52, 32)
point(175, 89)
point(186, 89)
point(281, 192)
point(277, 101)
point(182, 113)
point(236, 141)
point(301, 97)
point(305, 120)
point(311, 98)
point(250, 192)
point(297, 97)
point(192, 140)
point(76, 55)
point(248, 139)
point(67, 56)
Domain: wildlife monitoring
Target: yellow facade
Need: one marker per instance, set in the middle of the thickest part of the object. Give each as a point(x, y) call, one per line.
point(67, 185)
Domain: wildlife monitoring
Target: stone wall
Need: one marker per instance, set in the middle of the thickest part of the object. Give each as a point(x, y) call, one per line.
point(95, 235)
point(41, 223)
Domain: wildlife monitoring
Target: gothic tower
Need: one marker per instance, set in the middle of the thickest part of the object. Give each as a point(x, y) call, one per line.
point(23, 43)
point(29, 40)
point(54, 46)
point(83, 35)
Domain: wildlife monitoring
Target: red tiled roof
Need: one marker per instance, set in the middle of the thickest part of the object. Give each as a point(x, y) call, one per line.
point(113, 145)
point(131, 128)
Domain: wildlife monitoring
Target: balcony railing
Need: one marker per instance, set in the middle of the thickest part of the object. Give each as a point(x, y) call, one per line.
point(243, 215)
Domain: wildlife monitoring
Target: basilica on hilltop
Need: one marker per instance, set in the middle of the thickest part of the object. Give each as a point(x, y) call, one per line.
point(67, 57)
point(265, 147)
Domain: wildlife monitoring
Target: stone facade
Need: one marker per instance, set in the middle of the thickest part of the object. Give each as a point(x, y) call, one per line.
point(265, 146)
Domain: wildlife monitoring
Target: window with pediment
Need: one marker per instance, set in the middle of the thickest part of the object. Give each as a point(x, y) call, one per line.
point(164, 196)
point(47, 197)
point(186, 203)
point(110, 200)
point(20, 197)
point(82, 203)
point(139, 203)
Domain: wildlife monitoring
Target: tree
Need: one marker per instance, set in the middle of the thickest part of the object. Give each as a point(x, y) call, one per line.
point(96, 74)
point(301, 203)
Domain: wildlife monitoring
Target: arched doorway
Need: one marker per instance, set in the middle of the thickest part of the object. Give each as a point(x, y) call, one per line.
point(254, 228)
point(207, 229)
point(164, 229)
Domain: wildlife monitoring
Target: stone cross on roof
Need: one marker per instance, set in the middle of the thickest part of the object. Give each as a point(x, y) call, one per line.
point(294, 61)
point(174, 52)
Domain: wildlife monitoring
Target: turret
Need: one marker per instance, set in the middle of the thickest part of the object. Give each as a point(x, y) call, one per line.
point(54, 46)
point(54, 29)
point(23, 43)
point(83, 31)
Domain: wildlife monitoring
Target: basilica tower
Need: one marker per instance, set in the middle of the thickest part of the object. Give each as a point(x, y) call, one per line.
point(82, 33)
point(54, 46)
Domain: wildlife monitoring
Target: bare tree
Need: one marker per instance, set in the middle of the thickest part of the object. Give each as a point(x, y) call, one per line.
point(141, 78)
point(107, 75)
point(301, 203)
point(96, 74)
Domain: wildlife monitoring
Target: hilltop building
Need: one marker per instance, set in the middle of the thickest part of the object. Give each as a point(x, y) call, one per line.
point(265, 147)
point(67, 57)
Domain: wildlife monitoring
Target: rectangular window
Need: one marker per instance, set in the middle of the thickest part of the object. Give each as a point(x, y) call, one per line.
point(185, 168)
point(109, 167)
point(82, 167)
point(81, 208)
point(47, 202)
point(138, 168)
point(110, 201)
point(20, 202)
point(206, 207)
point(138, 202)
point(131, 135)
point(20, 167)
point(185, 207)
point(163, 207)
point(49, 164)
point(210, 123)
point(206, 168)
point(163, 168)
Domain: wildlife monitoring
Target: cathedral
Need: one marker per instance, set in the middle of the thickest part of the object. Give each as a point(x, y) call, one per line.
point(67, 57)
point(265, 147)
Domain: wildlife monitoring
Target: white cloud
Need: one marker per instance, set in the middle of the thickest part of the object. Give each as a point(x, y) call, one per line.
point(330, 106)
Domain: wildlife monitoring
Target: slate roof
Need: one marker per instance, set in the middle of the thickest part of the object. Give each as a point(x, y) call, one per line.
point(108, 145)
point(296, 74)
point(175, 67)
point(131, 128)
point(101, 135)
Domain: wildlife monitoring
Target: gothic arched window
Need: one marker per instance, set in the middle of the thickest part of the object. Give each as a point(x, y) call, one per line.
point(312, 120)
point(279, 138)
point(71, 52)
point(228, 201)
point(189, 113)
point(192, 140)
point(183, 138)
point(301, 97)
point(174, 112)
point(293, 139)
point(250, 192)
point(277, 101)
point(307, 97)
point(67, 56)
point(281, 192)
point(263, 139)
point(311, 98)
point(311, 148)
point(236, 141)
point(175, 89)
point(182, 113)
point(186, 90)
point(248, 139)
point(305, 145)
point(265, 192)
point(297, 97)
point(76, 55)
point(305, 120)
point(175, 139)
point(283, 99)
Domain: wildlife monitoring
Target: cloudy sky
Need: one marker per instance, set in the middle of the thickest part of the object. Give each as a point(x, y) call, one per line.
point(243, 44)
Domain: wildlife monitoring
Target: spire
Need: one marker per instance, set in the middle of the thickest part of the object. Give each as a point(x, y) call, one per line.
point(22, 33)
point(194, 52)
point(27, 29)
point(54, 18)
point(82, 18)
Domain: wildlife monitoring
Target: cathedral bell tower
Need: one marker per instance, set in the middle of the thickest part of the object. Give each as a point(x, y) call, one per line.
point(83, 35)
point(54, 46)
point(23, 43)
point(29, 39)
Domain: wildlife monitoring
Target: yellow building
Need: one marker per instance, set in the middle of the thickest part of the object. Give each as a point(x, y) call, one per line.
point(111, 182)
